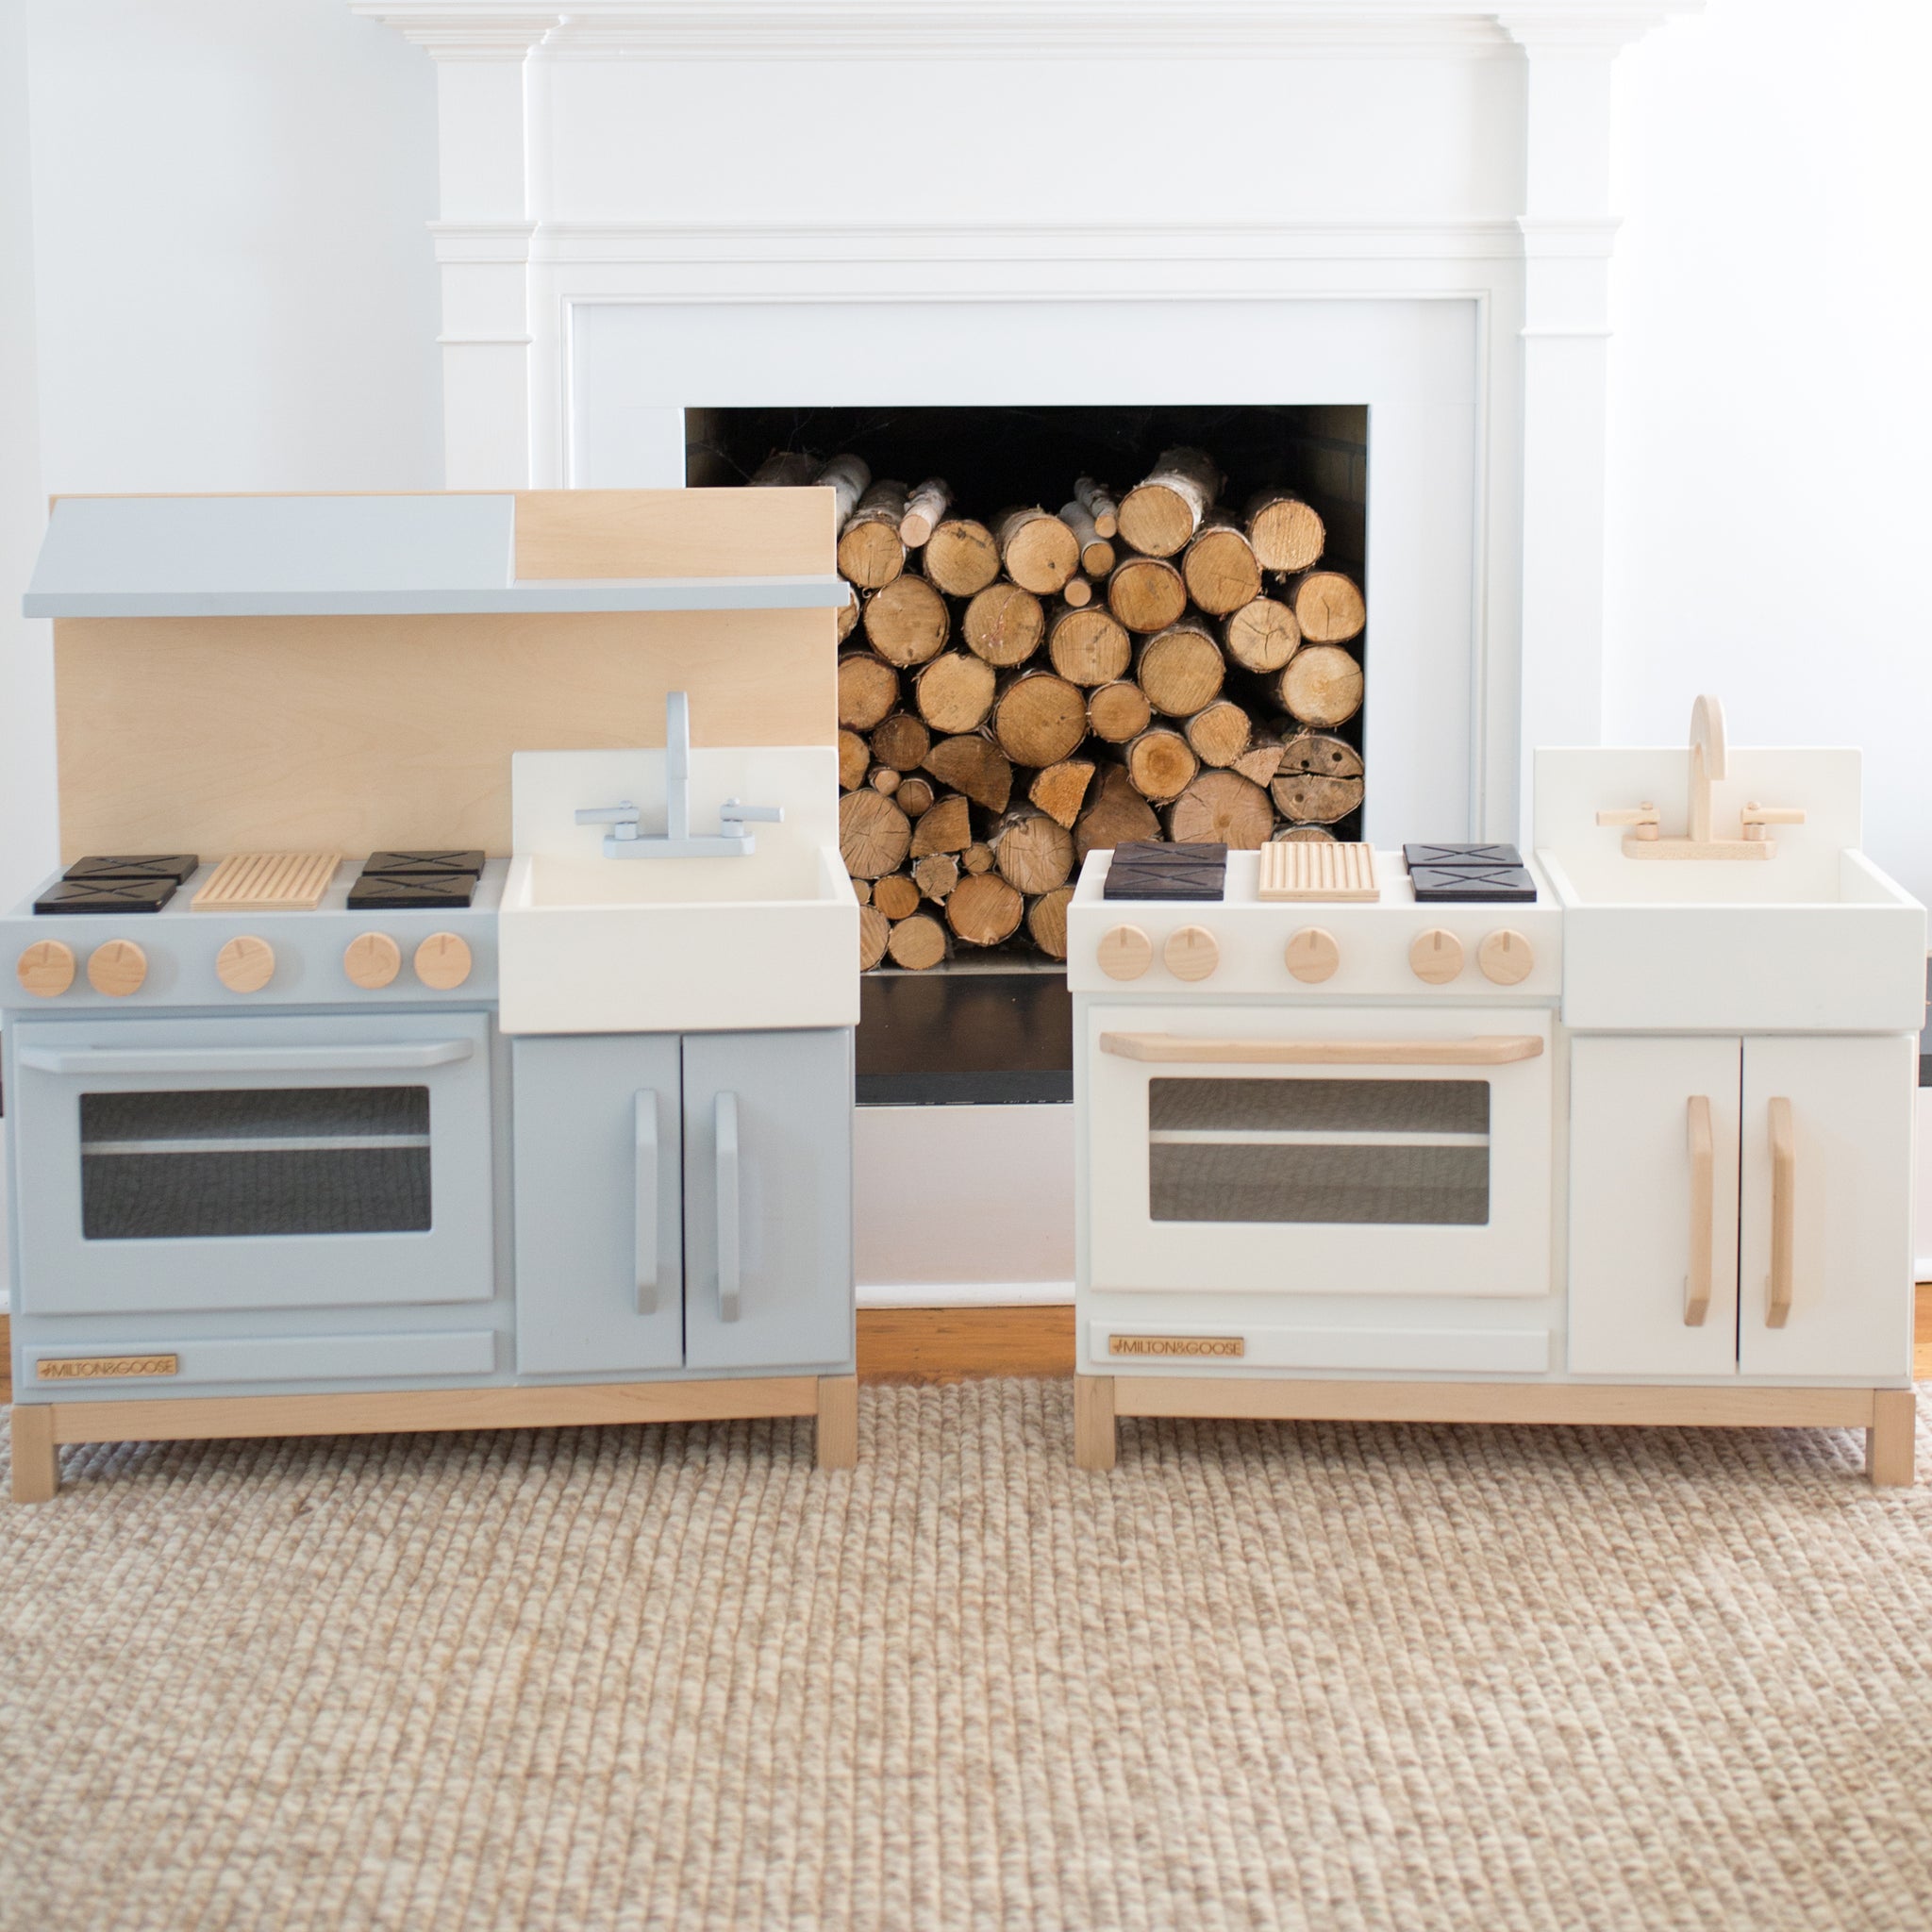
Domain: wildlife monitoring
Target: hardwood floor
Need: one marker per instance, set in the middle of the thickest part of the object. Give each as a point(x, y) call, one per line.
point(956, 1344)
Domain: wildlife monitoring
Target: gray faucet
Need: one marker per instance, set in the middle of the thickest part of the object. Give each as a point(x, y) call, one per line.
point(677, 841)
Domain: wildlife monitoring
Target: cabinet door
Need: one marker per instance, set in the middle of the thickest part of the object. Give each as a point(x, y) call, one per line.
point(1827, 1206)
point(768, 1199)
point(599, 1242)
point(1654, 1207)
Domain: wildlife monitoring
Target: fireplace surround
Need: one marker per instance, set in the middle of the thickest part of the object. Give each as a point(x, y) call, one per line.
point(651, 206)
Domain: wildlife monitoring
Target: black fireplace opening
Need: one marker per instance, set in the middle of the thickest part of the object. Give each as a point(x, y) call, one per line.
point(989, 1024)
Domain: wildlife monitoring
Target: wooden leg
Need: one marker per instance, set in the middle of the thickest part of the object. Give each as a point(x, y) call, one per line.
point(36, 1459)
point(1094, 1438)
point(1889, 1440)
point(838, 1426)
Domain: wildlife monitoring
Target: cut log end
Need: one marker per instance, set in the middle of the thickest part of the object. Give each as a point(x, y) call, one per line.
point(1329, 607)
point(874, 834)
point(1040, 719)
point(1046, 922)
point(1321, 685)
point(906, 622)
point(960, 557)
point(1036, 550)
point(1061, 790)
point(1222, 808)
point(1287, 534)
point(917, 944)
point(1004, 623)
point(984, 909)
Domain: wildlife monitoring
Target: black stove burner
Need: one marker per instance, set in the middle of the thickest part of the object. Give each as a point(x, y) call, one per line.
point(178, 866)
point(422, 865)
point(1413, 855)
point(107, 895)
point(1471, 885)
point(1148, 868)
point(451, 891)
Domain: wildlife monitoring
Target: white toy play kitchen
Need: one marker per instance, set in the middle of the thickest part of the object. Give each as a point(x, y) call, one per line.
point(1385, 1136)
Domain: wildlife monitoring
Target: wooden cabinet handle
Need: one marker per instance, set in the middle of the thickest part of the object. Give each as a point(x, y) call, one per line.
point(1784, 1210)
point(1484, 1050)
point(1703, 1211)
point(730, 1271)
point(645, 1127)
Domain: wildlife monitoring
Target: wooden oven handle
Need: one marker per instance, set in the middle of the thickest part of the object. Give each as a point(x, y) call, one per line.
point(1703, 1148)
point(1484, 1050)
point(1784, 1210)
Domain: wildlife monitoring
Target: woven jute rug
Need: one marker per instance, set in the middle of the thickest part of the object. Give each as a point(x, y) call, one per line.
point(1323, 1675)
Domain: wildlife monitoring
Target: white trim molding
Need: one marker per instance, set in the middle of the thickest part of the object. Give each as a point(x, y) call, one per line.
point(1085, 30)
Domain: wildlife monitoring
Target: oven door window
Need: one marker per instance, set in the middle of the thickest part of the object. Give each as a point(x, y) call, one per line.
point(299, 1160)
point(1367, 1152)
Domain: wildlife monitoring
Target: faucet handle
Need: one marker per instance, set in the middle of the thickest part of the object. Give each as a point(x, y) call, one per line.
point(1644, 818)
point(1756, 817)
point(735, 814)
point(624, 814)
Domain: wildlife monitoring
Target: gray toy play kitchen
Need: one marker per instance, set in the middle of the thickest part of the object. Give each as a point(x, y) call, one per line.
point(303, 1142)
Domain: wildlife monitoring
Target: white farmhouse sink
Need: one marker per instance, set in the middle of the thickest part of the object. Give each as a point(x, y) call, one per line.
point(591, 944)
point(1815, 940)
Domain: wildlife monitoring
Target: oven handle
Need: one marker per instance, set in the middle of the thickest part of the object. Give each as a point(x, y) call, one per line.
point(248, 1060)
point(1484, 1050)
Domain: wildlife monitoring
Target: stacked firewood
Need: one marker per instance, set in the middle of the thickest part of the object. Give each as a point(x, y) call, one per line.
point(1013, 694)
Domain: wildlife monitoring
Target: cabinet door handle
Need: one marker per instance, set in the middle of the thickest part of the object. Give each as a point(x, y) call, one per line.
point(1703, 1211)
point(645, 1104)
point(247, 1059)
point(728, 1265)
point(1784, 1210)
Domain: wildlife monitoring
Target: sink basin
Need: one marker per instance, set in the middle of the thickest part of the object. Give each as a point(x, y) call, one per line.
point(1814, 939)
point(1743, 948)
point(590, 944)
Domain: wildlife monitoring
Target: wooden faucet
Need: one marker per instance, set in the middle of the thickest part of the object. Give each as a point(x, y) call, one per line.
point(1710, 765)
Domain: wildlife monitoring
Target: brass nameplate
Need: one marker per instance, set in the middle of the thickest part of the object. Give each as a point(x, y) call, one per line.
point(1223, 1346)
point(97, 1368)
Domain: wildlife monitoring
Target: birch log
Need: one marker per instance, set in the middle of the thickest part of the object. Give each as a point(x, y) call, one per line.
point(871, 551)
point(960, 557)
point(1036, 550)
point(1287, 534)
point(847, 479)
point(926, 507)
point(1164, 509)
point(1098, 502)
point(1003, 625)
point(906, 622)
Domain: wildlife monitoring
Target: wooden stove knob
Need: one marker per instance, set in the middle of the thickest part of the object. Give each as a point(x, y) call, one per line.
point(245, 964)
point(372, 959)
point(1506, 956)
point(1124, 953)
point(45, 969)
point(117, 969)
point(1436, 958)
point(1312, 955)
point(1192, 952)
point(442, 961)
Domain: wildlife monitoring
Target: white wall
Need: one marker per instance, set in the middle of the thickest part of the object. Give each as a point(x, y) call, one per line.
point(27, 681)
point(230, 276)
point(1770, 488)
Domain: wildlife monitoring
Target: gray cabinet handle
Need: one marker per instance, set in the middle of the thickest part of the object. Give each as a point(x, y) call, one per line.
point(247, 1059)
point(645, 1104)
point(729, 1272)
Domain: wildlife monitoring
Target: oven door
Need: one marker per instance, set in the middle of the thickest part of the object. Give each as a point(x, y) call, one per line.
point(1319, 1151)
point(276, 1162)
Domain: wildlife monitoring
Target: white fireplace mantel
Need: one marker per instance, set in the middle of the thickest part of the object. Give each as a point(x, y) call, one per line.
point(680, 157)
